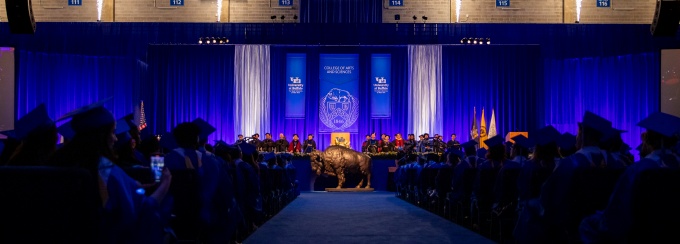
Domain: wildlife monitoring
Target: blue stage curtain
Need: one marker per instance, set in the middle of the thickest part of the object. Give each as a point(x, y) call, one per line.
point(425, 89)
point(341, 11)
point(623, 89)
point(506, 78)
point(251, 83)
point(191, 81)
point(309, 125)
point(65, 82)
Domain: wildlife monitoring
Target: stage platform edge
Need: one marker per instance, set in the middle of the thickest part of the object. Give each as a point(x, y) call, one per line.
point(350, 190)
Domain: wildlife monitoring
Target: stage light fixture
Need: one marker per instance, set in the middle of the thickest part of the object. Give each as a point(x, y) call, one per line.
point(469, 40)
point(424, 17)
point(283, 17)
point(273, 17)
point(462, 41)
point(214, 41)
point(415, 18)
point(200, 40)
point(295, 17)
point(226, 40)
point(488, 41)
point(397, 17)
point(220, 40)
point(474, 41)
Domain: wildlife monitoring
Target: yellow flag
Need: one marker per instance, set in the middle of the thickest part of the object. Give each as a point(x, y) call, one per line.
point(482, 132)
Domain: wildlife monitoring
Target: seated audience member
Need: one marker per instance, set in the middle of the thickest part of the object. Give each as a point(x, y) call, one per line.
point(614, 223)
point(38, 135)
point(128, 215)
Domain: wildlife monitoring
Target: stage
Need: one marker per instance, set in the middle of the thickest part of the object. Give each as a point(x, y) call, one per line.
point(530, 76)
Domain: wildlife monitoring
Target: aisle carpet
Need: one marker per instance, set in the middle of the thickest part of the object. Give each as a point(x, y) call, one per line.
point(377, 217)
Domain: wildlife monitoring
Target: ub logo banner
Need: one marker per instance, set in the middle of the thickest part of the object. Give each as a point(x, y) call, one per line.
point(339, 92)
point(380, 85)
point(296, 79)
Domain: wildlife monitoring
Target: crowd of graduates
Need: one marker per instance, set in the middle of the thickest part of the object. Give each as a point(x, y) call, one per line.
point(554, 187)
point(217, 193)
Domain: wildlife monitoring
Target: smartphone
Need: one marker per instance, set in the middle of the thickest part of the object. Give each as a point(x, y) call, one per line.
point(157, 163)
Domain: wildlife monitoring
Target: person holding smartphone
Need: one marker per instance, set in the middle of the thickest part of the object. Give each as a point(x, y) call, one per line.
point(127, 214)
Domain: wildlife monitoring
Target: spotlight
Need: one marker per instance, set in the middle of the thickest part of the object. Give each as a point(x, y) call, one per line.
point(474, 41)
point(273, 17)
point(295, 17)
point(424, 17)
point(469, 40)
point(415, 18)
point(226, 40)
point(462, 41)
point(221, 40)
point(200, 40)
point(488, 41)
point(283, 17)
point(397, 17)
point(213, 40)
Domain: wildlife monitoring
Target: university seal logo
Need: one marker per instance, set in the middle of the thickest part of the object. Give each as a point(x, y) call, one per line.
point(338, 109)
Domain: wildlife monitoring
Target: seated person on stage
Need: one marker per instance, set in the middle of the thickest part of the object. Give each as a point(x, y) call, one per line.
point(366, 143)
point(126, 216)
point(410, 143)
point(424, 144)
point(453, 144)
point(267, 145)
point(240, 139)
point(281, 144)
point(295, 145)
point(255, 140)
point(310, 144)
point(438, 145)
point(614, 223)
point(398, 142)
point(386, 145)
point(373, 144)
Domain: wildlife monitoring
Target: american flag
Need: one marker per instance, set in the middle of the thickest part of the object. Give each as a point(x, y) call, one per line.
point(140, 116)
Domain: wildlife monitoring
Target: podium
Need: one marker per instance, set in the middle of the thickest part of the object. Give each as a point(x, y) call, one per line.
point(340, 139)
point(510, 135)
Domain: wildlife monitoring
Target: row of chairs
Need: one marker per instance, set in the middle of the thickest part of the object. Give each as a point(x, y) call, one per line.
point(493, 208)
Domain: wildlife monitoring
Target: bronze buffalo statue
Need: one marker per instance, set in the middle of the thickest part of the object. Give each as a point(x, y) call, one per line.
point(338, 160)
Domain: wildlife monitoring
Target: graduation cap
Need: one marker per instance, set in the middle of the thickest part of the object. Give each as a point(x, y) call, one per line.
point(468, 144)
point(566, 141)
point(168, 141)
point(494, 141)
point(662, 123)
point(36, 119)
point(597, 123)
point(206, 128)
point(247, 149)
point(122, 126)
point(546, 135)
point(90, 117)
point(130, 120)
point(458, 153)
point(481, 153)
point(268, 156)
point(523, 141)
point(66, 131)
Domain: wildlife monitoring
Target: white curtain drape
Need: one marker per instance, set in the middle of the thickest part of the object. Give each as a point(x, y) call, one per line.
point(251, 88)
point(425, 89)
